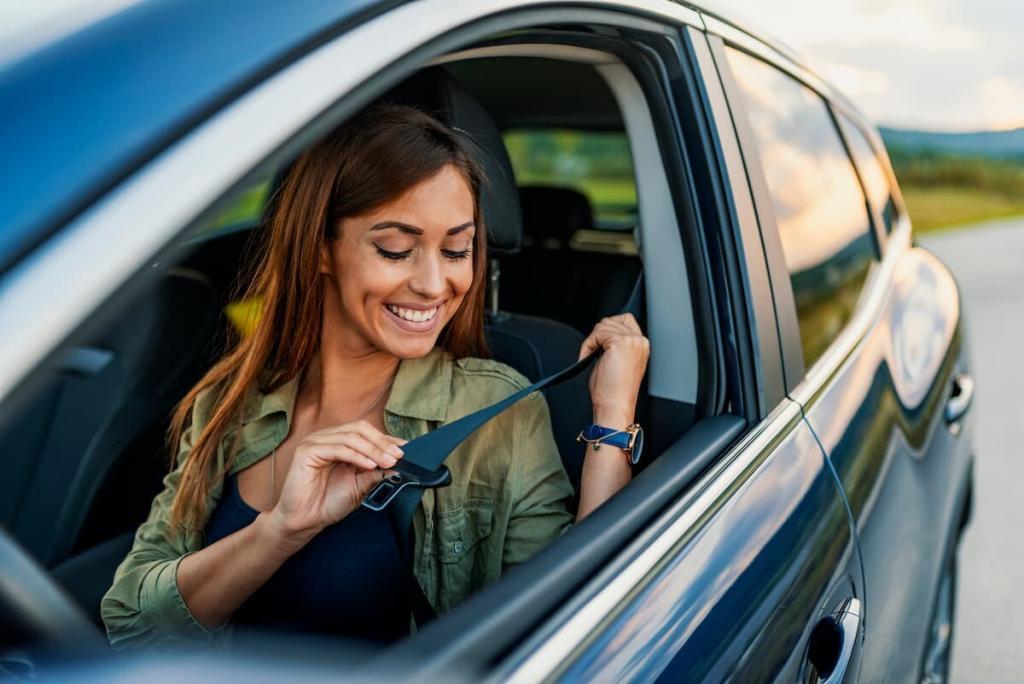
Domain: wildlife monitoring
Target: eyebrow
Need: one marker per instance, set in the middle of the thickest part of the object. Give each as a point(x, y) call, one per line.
point(413, 230)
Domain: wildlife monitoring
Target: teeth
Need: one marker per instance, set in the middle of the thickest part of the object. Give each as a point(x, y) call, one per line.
point(414, 315)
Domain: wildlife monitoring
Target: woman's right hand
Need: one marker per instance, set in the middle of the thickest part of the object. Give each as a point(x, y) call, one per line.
point(331, 470)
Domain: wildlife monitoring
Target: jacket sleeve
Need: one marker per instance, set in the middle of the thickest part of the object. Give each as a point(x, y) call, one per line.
point(541, 490)
point(143, 609)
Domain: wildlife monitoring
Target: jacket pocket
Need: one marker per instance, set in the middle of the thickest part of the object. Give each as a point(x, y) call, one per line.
point(462, 549)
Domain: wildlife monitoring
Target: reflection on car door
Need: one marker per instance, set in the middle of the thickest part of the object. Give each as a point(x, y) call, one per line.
point(739, 574)
point(880, 341)
point(880, 417)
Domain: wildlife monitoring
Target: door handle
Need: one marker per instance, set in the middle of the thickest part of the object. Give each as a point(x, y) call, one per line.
point(833, 643)
point(960, 400)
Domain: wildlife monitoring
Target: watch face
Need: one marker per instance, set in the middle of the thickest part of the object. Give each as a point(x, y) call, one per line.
point(638, 447)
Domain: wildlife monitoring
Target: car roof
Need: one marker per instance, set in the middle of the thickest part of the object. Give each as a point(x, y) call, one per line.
point(87, 108)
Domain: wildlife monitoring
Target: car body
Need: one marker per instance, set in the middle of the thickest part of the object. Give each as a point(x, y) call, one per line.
point(798, 513)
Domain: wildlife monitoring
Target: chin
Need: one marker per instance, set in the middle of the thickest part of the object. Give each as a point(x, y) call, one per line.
point(409, 348)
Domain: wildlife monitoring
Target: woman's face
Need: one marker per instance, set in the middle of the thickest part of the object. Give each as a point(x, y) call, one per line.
point(396, 276)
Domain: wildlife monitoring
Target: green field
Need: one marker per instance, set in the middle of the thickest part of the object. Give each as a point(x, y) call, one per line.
point(944, 190)
point(940, 207)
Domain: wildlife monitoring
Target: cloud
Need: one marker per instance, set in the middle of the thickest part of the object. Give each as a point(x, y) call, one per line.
point(936, 64)
point(854, 81)
point(1002, 100)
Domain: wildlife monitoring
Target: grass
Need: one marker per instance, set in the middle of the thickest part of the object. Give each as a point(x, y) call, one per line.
point(942, 207)
point(944, 190)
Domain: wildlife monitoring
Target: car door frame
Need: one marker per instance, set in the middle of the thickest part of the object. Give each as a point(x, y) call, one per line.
point(205, 179)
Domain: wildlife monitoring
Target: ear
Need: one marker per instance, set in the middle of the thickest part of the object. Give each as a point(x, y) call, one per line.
point(324, 261)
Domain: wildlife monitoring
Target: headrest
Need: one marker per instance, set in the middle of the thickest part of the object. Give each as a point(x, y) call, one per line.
point(436, 91)
point(553, 213)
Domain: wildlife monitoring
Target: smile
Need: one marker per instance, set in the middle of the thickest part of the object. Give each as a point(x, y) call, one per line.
point(413, 315)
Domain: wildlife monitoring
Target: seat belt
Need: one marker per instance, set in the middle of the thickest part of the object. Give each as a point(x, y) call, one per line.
point(422, 465)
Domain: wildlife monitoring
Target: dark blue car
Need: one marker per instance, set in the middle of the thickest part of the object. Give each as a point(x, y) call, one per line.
point(807, 469)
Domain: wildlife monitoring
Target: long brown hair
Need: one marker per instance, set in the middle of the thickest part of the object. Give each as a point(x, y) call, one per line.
point(370, 159)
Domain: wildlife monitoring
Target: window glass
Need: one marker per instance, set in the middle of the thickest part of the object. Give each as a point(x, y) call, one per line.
point(596, 163)
point(876, 184)
point(244, 211)
point(819, 205)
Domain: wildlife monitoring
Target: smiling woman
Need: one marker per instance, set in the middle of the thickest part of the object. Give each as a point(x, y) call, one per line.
point(428, 271)
point(370, 333)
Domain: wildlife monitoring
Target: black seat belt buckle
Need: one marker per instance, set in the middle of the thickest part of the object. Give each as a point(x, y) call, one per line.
point(405, 475)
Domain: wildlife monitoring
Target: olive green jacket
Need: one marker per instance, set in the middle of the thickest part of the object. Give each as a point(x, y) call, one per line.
point(508, 497)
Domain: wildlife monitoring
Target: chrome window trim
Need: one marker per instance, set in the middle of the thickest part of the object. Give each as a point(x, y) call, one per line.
point(767, 52)
point(673, 528)
point(46, 296)
point(869, 308)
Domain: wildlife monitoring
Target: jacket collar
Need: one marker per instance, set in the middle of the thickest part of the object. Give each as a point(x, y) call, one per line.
point(422, 390)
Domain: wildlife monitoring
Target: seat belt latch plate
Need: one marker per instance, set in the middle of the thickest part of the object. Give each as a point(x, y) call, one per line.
point(405, 475)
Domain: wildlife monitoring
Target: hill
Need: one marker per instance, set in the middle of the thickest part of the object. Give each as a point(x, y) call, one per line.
point(992, 144)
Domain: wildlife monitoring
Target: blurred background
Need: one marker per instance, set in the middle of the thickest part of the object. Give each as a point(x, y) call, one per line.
point(944, 80)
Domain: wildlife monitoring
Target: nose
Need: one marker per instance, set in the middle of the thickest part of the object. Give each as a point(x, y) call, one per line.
point(428, 280)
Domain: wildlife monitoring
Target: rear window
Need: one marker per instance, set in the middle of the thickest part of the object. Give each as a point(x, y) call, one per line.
point(598, 164)
point(872, 173)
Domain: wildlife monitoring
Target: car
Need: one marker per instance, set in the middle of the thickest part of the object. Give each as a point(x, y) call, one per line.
point(807, 469)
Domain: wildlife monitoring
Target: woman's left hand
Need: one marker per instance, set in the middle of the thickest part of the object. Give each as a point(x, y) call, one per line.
point(615, 380)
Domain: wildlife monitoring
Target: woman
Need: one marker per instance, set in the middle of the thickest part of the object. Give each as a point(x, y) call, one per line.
point(370, 334)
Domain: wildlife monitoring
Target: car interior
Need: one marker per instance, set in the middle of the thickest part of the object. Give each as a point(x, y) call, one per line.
point(86, 456)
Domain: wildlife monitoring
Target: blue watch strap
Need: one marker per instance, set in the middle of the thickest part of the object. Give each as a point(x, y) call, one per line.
point(617, 438)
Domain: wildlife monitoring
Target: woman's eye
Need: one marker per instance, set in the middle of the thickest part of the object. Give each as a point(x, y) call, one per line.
point(393, 256)
point(457, 255)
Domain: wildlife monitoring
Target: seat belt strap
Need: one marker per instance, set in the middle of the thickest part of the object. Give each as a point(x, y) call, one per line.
point(422, 465)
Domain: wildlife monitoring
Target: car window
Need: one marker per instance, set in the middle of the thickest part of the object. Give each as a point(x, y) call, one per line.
point(243, 211)
point(817, 199)
point(596, 164)
point(876, 184)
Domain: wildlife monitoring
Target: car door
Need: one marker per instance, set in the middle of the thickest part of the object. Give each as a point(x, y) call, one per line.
point(744, 573)
point(872, 343)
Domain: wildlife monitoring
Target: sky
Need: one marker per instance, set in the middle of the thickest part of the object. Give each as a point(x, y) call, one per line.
point(943, 65)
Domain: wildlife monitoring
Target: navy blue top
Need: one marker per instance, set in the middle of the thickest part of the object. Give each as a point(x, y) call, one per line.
point(347, 581)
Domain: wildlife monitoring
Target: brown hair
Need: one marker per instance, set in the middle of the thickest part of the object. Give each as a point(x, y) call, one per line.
point(373, 157)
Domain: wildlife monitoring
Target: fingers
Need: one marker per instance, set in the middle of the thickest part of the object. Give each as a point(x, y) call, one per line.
point(361, 445)
point(381, 441)
point(613, 330)
point(383, 457)
point(319, 455)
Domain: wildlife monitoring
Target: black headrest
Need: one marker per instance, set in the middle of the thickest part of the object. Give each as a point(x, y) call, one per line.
point(553, 213)
point(436, 91)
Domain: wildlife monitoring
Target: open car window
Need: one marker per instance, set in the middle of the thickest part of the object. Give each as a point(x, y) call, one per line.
point(139, 354)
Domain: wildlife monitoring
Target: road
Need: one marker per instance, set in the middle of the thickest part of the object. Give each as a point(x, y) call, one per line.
point(988, 261)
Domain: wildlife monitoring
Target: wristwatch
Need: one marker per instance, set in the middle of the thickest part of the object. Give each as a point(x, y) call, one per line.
point(630, 440)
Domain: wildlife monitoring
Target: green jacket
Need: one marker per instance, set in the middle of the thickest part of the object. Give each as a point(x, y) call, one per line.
point(508, 497)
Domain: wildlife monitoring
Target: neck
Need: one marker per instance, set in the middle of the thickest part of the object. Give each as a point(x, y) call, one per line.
point(341, 389)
